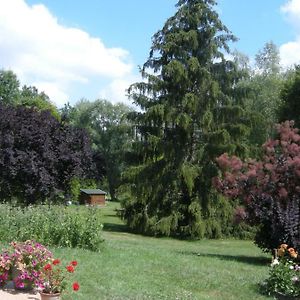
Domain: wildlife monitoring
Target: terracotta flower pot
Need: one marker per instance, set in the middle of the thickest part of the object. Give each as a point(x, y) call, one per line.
point(45, 296)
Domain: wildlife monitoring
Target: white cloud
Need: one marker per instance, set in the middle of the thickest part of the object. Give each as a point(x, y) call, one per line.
point(116, 91)
point(54, 57)
point(290, 52)
point(53, 91)
point(292, 11)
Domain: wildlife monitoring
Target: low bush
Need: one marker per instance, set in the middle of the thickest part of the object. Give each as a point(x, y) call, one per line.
point(284, 278)
point(52, 225)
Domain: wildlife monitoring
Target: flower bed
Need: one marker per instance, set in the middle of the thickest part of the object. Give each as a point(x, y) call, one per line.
point(31, 265)
point(284, 275)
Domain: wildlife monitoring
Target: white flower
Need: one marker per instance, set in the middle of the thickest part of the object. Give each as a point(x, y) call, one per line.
point(295, 278)
point(275, 262)
point(291, 267)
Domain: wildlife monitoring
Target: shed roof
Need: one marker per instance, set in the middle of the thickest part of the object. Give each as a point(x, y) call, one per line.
point(93, 191)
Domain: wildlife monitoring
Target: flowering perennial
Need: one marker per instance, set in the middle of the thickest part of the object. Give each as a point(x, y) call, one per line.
point(284, 277)
point(29, 264)
point(54, 277)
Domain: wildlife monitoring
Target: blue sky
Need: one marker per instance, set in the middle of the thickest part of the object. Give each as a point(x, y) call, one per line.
point(92, 49)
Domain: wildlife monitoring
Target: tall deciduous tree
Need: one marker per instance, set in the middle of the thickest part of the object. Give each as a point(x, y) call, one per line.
point(29, 96)
point(39, 155)
point(187, 117)
point(111, 135)
point(290, 95)
point(9, 87)
point(259, 93)
point(268, 59)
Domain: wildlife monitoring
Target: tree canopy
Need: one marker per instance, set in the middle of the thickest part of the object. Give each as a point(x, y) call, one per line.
point(29, 96)
point(39, 155)
point(290, 95)
point(111, 135)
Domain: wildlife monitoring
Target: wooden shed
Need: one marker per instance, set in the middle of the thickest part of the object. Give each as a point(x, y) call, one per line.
point(92, 197)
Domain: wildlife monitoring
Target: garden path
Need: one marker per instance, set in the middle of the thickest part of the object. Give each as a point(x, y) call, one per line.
point(11, 294)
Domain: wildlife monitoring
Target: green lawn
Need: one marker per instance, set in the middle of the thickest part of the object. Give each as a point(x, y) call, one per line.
point(136, 267)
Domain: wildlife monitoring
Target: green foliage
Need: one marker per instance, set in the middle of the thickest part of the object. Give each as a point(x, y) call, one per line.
point(31, 97)
point(77, 183)
point(216, 221)
point(111, 135)
point(188, 116)
point(28, 96)
point(290, 95)
point(52, 225)
point(268, 59)
point(9, 87)
point(258, 92)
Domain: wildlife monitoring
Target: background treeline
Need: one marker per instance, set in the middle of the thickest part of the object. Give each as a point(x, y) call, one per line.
point(158, 158)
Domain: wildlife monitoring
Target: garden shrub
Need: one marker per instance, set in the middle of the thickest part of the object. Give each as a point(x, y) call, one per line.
point(269, 189)
point(283, 279)
point(52, 225)
point(40, 155)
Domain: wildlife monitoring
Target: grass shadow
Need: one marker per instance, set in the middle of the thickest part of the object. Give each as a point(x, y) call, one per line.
point(111, 216)
point(113, 227)
point(251, 260)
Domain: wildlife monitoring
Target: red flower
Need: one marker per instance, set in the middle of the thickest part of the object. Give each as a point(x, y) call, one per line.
point(70, 269)
point(56, 262)
point(74, 263)
point(47, 267)
point(75, 286)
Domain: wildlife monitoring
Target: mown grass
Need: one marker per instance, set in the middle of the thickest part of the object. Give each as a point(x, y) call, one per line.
point(136, 267)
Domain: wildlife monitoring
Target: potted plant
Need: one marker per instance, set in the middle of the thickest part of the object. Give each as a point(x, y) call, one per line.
point(54, 279)
point(28, 259)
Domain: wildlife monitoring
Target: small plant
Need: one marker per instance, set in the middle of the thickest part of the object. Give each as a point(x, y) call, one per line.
point(28, 259)
point(284, 276)
point(22, 262)
point(54, 277)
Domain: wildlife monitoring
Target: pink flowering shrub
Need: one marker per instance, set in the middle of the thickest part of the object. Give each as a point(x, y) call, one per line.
point(269, 189)
point(23, 262)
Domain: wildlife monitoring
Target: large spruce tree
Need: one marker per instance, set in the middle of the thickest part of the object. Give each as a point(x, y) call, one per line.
point(187, 117)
